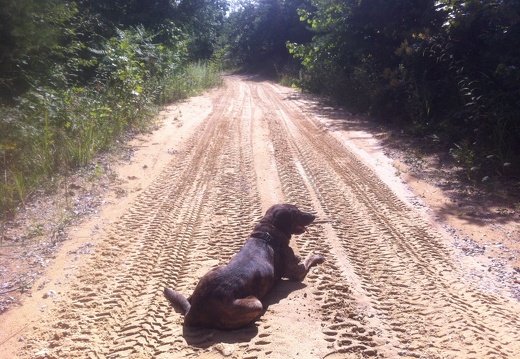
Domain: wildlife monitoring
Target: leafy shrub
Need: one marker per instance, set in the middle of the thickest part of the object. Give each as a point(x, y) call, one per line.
point(448, 69)
point(52, 129)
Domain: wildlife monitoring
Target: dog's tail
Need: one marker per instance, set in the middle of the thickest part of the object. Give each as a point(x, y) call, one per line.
point(178, 301)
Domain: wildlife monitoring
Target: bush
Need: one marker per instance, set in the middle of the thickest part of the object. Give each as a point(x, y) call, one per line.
point(51, 130)
point(443, 69)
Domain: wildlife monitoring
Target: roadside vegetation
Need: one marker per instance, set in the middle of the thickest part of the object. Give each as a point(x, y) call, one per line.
point(75, 75)
point(446, 72)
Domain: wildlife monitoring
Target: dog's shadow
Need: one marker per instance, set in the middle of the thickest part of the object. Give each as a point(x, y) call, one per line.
point(281, 290)
point(205, 338)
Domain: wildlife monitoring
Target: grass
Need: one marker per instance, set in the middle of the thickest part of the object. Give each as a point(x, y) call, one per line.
point(49, 133)
point(192, 80)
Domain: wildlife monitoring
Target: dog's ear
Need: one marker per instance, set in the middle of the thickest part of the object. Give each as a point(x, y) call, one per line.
point(283, 220)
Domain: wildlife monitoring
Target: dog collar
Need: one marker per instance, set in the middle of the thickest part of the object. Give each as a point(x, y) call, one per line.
point(266, 236)
point(272, 236)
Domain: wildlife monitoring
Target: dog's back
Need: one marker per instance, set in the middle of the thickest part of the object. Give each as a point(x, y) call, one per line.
point(228, 297)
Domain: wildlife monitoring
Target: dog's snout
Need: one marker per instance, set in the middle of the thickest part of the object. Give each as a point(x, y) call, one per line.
point(308, 217)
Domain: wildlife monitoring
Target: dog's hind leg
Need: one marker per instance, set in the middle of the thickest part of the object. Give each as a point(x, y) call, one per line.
point(178, 301)
point(242, 312)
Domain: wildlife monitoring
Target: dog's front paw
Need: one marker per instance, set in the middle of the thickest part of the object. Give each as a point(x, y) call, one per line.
point(317, 259)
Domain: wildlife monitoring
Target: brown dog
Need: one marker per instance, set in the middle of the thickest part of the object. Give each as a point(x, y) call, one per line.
point(228, 297)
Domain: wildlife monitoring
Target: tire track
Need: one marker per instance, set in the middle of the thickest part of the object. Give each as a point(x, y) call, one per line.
point(346, 327)
point(121, 290)
point(388, 288)
point(403, 265)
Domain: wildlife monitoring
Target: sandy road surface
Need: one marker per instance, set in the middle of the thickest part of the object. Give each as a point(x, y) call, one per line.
point(390, 286)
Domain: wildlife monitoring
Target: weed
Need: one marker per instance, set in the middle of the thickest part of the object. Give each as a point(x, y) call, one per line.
point(35, 230)
point(52, 131)
point(517, 207)
point(464, 156)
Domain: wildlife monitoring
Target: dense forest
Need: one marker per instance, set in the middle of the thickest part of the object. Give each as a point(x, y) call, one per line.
point(447, 71)
point(75, 74)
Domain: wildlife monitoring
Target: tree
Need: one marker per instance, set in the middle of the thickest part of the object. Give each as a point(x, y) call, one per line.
point(32, 35)
point(447, 68)
point(257, 33)
point(203, 20)
point(354, 45)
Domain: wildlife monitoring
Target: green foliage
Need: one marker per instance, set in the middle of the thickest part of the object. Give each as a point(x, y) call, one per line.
point(446, 68)
point(32, 39)
point(191, 80)
point(354, 46)
point(464, 157)
point(469, 72)
point(256, 34)
point(72, 92)
point(204, 20)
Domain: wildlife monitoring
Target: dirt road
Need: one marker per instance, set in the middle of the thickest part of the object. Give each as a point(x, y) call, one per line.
point(391, 285)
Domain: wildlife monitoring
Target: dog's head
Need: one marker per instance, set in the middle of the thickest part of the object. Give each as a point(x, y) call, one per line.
point(288, 218)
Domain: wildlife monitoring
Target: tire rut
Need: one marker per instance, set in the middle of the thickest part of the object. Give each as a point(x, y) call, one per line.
point(389, 286)
point(403, 266)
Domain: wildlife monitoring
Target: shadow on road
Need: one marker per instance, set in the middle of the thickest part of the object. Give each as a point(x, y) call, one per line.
point(205, 338)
